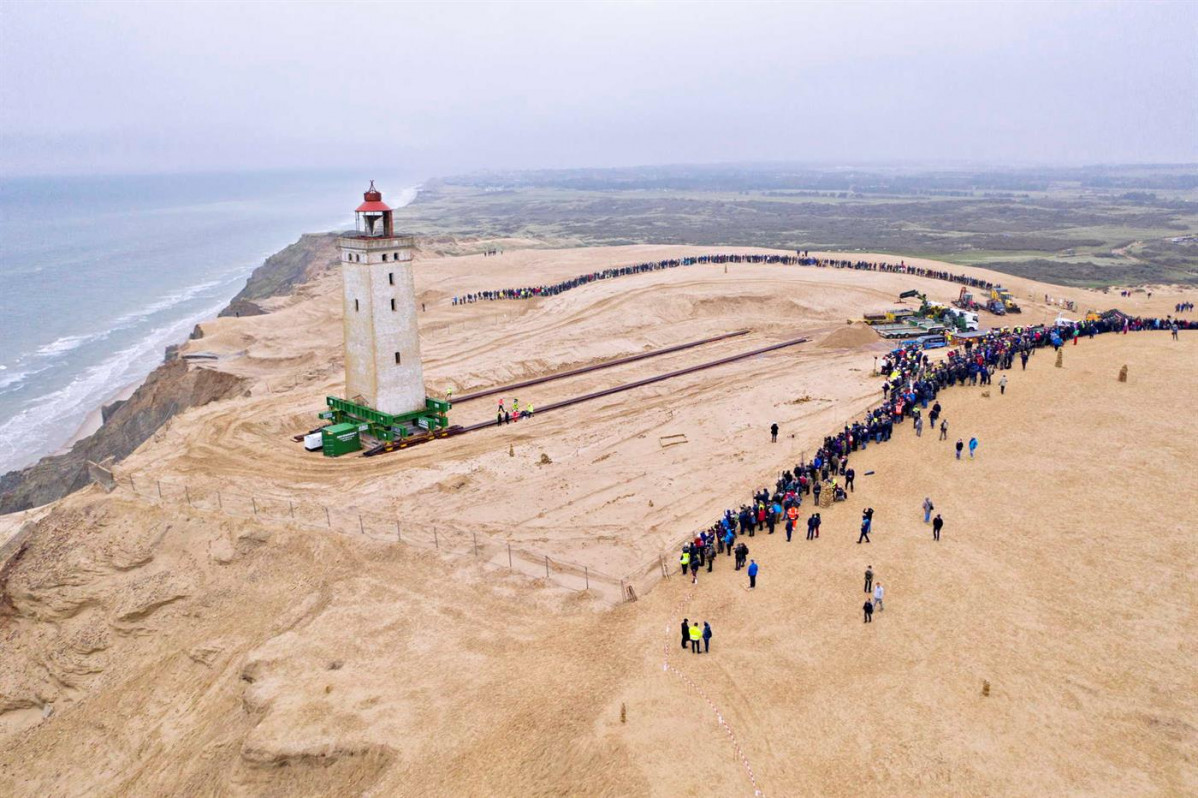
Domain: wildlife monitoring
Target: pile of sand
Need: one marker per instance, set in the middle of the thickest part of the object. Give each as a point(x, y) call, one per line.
point(851, 336)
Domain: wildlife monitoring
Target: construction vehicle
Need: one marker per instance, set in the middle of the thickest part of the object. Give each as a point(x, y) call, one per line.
point(909, 294)
point(1000, 294)
point(961, 320)
point(965, 300)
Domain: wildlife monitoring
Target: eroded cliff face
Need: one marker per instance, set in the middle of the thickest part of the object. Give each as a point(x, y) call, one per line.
point(170, 389)
point(306, 259)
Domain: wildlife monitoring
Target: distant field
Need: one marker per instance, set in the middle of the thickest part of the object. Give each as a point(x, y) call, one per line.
point(1071, 227)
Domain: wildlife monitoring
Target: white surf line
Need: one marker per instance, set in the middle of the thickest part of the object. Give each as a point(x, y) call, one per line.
point(669, 667)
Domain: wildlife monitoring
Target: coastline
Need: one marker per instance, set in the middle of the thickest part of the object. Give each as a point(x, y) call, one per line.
point(95, 418)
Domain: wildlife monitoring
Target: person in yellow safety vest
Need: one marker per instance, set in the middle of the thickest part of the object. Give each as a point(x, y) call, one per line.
point(528, 412)
point(696, 638)
point(515, 407)
point(685, 560)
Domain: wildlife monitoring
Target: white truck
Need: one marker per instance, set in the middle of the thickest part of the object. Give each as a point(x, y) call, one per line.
point(969, 318)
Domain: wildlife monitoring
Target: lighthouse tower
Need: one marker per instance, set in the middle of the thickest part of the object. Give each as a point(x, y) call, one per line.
point(382, 340)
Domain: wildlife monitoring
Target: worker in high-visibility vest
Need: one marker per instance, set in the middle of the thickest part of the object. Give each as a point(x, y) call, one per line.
point(685, 559)
point(696, 638)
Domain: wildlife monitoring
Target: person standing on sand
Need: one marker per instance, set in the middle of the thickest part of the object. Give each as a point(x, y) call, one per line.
point(973, 446)
point(944, 430)
point(869, 611)
point(696, 635)
point(864, 532)
point(927, 509)
point(879, 591)
point(960, 446)
point(1002, 385)
point(706, 637)
point(686, 631)
point(774, 433)
point(752, 574)
point(869, 578)
point(918, 426)
point(937, 525)
point(849, 476)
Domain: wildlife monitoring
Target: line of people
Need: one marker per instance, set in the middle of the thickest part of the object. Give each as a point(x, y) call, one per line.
point(912, 383)
point(798, 259)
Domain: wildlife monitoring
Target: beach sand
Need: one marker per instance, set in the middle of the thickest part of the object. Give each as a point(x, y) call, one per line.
point(188, 650)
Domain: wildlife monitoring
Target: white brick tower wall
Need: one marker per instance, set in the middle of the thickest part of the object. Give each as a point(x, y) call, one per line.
point(382, 337)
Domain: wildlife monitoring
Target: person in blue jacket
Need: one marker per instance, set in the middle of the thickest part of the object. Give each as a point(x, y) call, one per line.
point(752, 573)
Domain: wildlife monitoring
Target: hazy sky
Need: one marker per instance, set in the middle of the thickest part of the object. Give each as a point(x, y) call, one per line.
point(441, 87)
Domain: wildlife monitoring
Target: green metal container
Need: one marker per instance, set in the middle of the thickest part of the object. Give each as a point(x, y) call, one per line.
point(340, 439)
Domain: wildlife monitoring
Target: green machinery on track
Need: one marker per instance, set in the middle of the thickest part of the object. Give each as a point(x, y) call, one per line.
point(384, 426)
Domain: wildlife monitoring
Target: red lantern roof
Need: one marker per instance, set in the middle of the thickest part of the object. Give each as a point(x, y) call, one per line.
point(374, 200)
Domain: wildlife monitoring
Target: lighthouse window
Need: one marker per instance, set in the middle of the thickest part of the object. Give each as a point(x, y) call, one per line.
point(384, 257)
point(355, 304)
point(391, 278)
point(393, 304)
point(397, 358)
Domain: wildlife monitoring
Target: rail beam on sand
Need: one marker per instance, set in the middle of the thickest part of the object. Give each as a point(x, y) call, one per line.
point(628, 386)
point(393, 446)
point(597, 366)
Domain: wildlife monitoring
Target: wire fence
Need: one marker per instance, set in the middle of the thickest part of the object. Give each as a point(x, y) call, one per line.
point(484, 549)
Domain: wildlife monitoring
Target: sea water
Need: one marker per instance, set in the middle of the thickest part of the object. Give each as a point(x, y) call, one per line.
point(99, 274)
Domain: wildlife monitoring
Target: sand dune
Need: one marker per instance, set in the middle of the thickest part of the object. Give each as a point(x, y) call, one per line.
point(155, 648)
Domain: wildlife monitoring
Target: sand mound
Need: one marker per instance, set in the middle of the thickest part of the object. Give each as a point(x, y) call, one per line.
point(850, 337)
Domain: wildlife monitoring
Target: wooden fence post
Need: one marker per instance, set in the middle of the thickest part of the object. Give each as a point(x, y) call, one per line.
point(509, 556)
point(475, 544)
point(187, 495)
point(436, 542)
point(586, 574)
point(254, 502)
point(220, 505)
point(291, 507)
point(159, 488)
point(546, 566)
point(361, 526)
point(327, 518)
point(398, 533)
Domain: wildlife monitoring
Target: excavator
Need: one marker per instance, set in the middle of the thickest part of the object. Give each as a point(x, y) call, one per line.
point(965, 300)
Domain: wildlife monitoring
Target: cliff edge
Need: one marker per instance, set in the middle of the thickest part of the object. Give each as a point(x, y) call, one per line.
point(169, 389)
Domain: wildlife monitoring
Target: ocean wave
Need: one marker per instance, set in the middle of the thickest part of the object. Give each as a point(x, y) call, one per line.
point(12, 381)
point(45, 422)
point(165, 303)
point(66, 344)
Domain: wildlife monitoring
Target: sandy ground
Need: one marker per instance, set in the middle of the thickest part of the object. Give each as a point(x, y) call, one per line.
point(183, 651)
